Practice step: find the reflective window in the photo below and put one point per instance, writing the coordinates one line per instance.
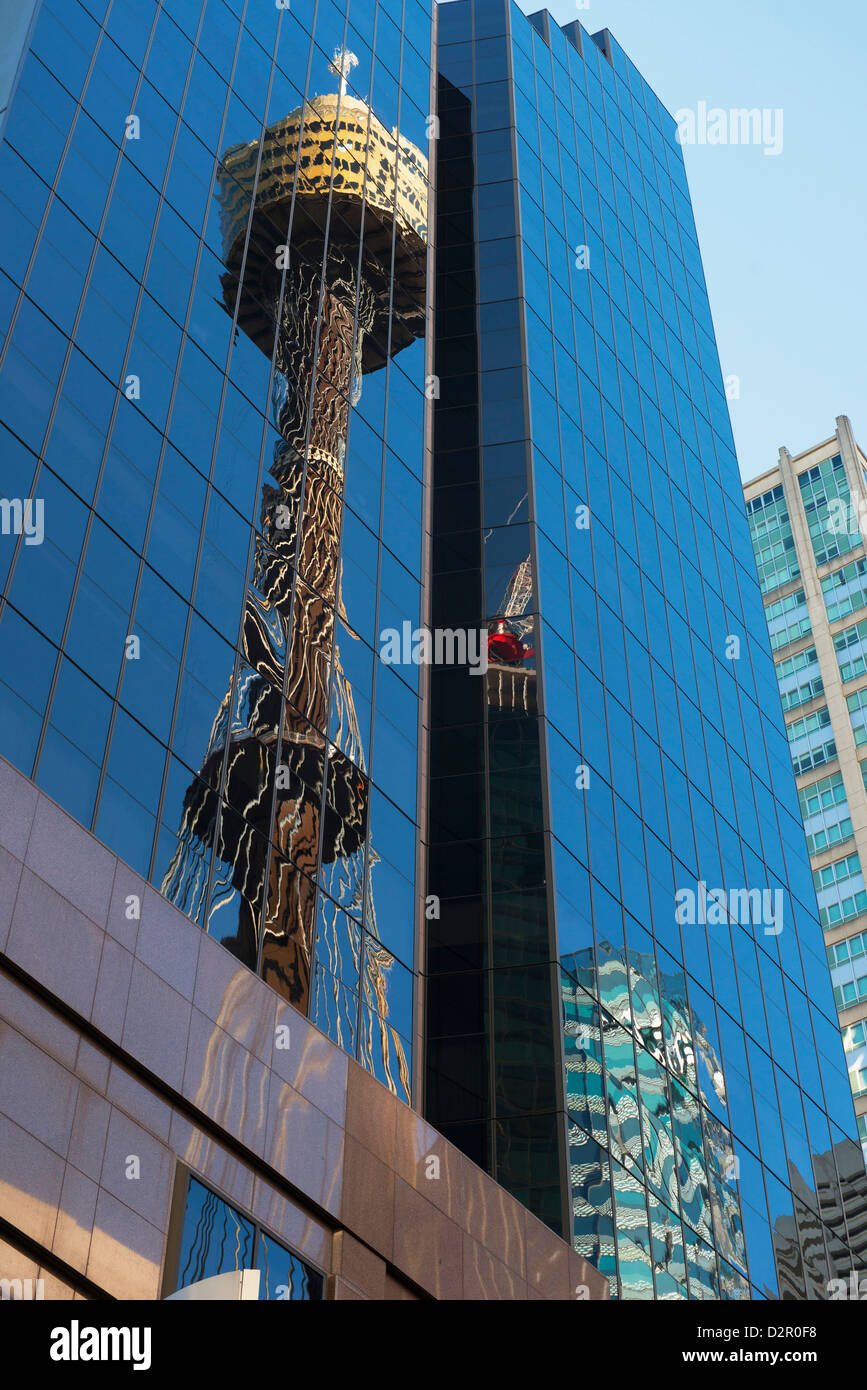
(213, 1237)
(825, 812)
(799, 679)
(825, 497)
(773, 542)
(857, 707)
(851, 648)
(845, 591)
(811, 741)
(840, 891)
(788, 619)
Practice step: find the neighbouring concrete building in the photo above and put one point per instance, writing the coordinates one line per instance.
(808, 518)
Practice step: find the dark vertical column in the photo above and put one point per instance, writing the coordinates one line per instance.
(458, 1092)
(494, 1062)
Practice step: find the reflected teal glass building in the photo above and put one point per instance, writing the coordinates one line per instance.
(658, 1079)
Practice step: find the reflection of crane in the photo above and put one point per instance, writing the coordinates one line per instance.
(507, 639)
(519, 591)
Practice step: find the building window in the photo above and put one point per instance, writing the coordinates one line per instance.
(212, 1237)
(799, 679)
(857, 705)
(855, 1043)
(850, 992)
(811, 741)
(840, 891)
(788, 619)
(821, 486)
(858, 1080)
(851, 648)
(852, 949)
(825, 812)
(776, 558)
(845, 591)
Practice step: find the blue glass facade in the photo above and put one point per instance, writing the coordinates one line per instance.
(214, 243)
(227, 380)
(661, 1082)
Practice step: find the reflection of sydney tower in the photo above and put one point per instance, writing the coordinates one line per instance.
(324, 297)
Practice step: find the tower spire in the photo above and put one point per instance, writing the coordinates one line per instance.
(341, 65)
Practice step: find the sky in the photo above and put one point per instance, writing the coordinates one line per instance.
(783, 237)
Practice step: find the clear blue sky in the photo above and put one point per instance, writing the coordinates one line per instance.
(784, 239)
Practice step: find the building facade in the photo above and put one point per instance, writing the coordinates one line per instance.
(641, 1071)
(215, 318)
(806, 517)
(251, 286)
(320, 323)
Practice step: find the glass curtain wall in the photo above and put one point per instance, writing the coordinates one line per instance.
(701, 1100)
(213, 304)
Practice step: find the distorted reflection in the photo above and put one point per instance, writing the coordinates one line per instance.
(324, 244)
(217, 1239)
(657, 1120)
(818, 1229)
(644, 1089)
(511, 654)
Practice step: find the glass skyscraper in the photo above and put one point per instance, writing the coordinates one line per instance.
(322, 323)
(654, 1079)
